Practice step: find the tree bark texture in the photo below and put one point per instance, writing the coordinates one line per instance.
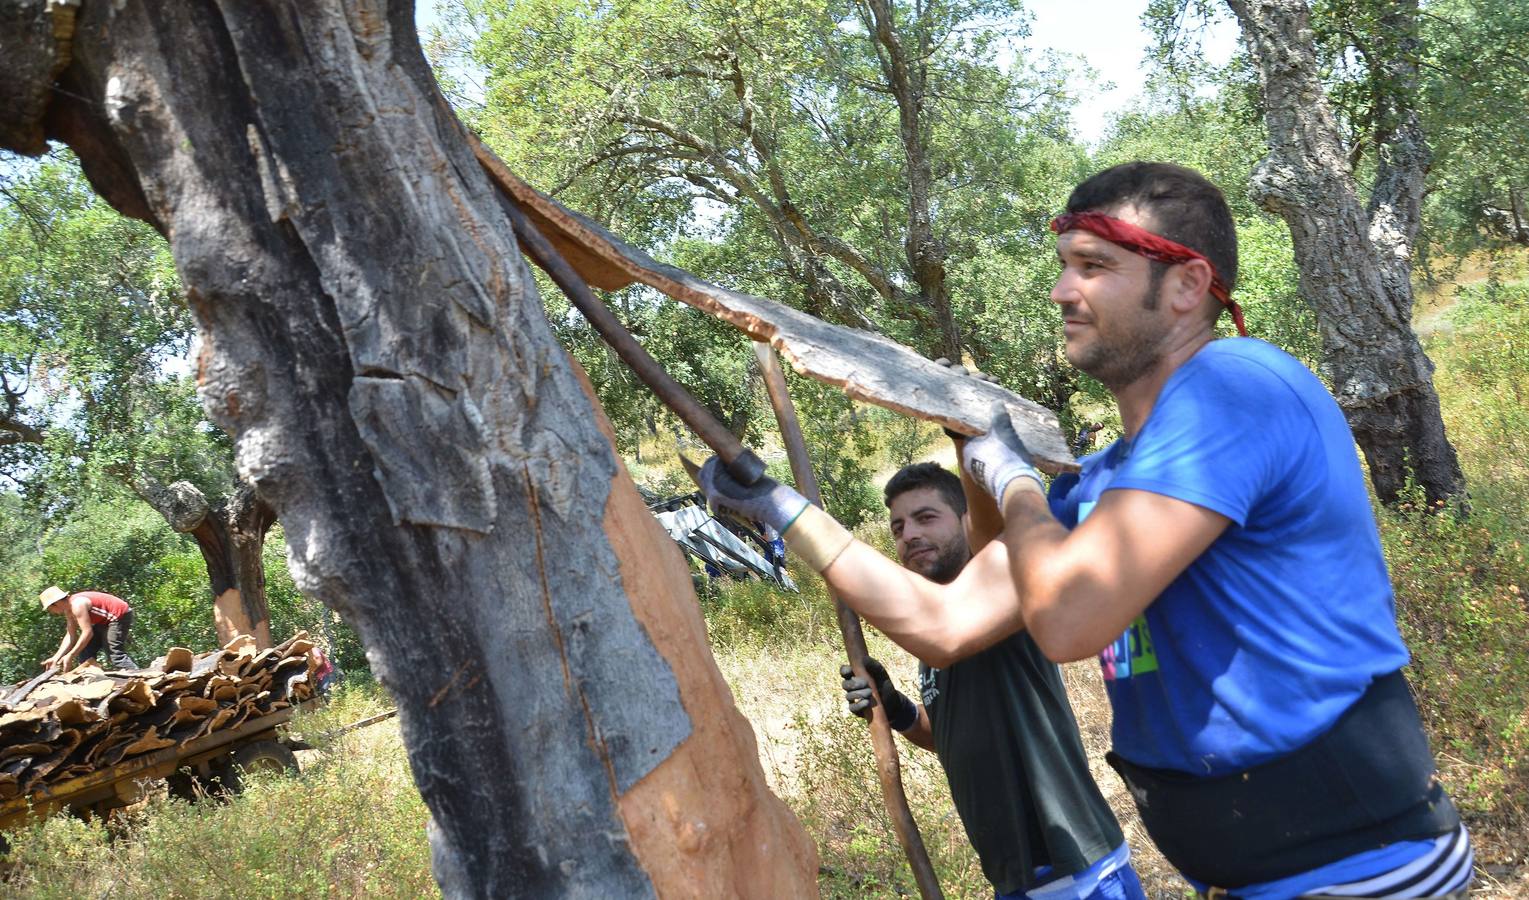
(374, 342)
(1355, 259)
(231, 537)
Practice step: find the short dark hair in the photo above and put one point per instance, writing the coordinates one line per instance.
(1185, 207)
(927, 475)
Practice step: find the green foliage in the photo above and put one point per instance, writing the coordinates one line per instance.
(702, 131)
(1461, 602)
(1463, 585)
(756, 613)
(93, 340)
(1483, 384)
(93, 335)
(839, 801)
(903, 439)
(112, 542)
(840, 443)
(1475, 92)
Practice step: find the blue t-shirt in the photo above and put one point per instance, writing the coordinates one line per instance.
(1273, 632)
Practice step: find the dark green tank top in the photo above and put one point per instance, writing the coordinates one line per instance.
(1005, 733)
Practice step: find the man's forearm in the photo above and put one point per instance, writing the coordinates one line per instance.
(921, 735)
(1081, 589)
(938, 624)
(895, 600)
(79, 645)
(1029, 529)
(1038, 566)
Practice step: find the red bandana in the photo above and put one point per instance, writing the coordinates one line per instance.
(1152, 246)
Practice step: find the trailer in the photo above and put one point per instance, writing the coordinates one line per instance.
(723, 545)
(210, 764)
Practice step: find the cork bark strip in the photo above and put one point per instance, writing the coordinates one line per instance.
(868, 367)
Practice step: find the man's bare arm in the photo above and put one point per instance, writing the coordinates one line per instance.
(1082, 589)
(939, 624)
(63, 645)
(79, 622)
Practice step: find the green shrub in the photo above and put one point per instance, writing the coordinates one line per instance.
(1461, 584)
(1462, 610)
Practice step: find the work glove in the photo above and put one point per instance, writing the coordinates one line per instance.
(766, 500)
(997, 458)
(902, 713)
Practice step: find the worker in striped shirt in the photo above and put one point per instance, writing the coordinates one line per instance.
(93, 619)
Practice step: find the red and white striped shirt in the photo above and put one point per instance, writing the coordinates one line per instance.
(103, 606)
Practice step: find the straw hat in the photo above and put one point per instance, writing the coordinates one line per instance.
(52, 595)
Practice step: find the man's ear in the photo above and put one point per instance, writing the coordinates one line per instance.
(1188, 285)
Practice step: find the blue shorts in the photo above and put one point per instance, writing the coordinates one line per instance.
(1118, 882)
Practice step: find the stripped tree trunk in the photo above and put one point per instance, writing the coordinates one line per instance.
(231, 536)
(374, 342)
(1355, 259)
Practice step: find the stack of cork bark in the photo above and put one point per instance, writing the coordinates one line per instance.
(59, 727)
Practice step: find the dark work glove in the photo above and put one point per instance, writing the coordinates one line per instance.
(902, 713)
(766, 500)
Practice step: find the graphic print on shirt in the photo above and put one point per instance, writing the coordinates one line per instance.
(1132, 653)
(927, 691)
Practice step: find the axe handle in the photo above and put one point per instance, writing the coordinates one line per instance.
(741, 462)
(887, 769)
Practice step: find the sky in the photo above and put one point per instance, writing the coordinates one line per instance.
(1105, 34)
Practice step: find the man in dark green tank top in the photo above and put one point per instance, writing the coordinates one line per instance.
(1003, 729)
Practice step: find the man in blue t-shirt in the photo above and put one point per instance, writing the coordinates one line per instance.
(1221, 559)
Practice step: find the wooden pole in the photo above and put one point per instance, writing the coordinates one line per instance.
(887, 769)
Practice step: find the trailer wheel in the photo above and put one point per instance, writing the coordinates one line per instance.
(188, 787)
(217, 784)
(263, 756)
(182, 786)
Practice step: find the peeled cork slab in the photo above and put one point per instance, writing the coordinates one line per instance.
(868, 367)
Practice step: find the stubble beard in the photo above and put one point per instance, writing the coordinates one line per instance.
(1119, 359)
(947, 565)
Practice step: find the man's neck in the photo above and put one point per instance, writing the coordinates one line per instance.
(1136, 399)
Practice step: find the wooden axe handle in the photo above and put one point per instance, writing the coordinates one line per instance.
(887, 768)
(741, 462)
